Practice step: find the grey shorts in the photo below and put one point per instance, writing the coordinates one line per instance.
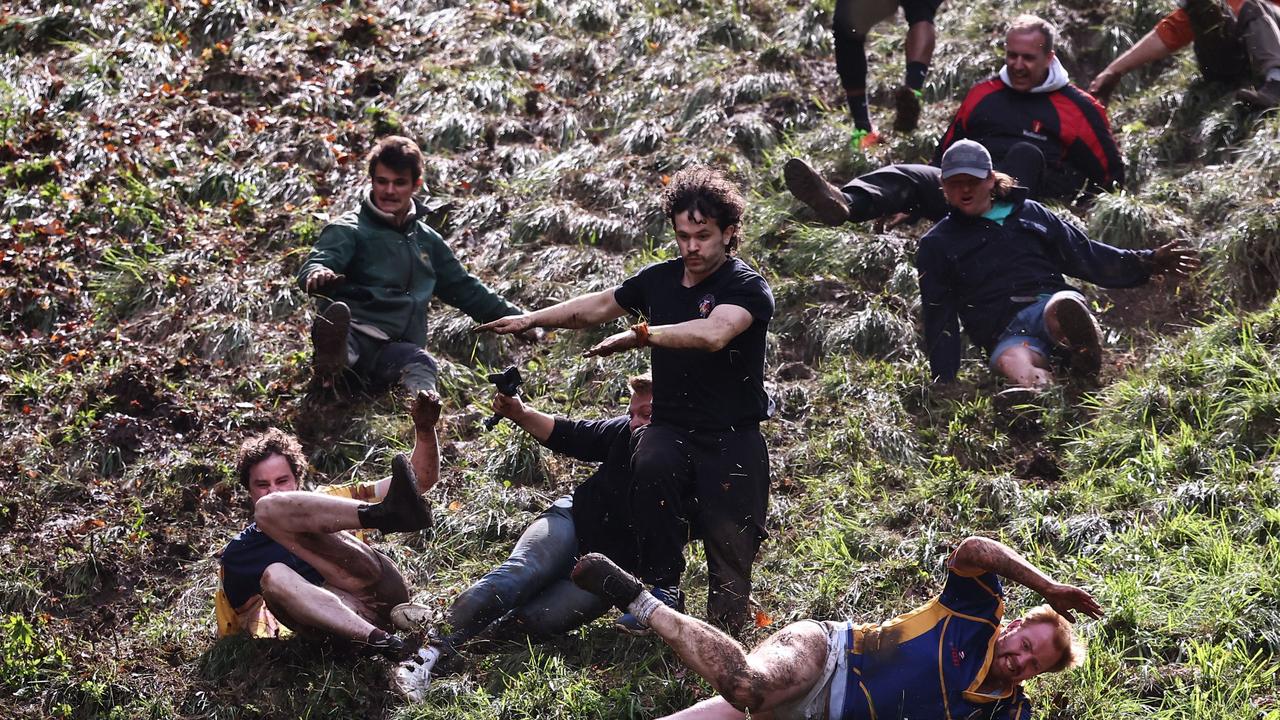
(830, 688)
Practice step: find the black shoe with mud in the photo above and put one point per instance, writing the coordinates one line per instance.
(597, 574)
(403, 509)
(810, 188)
(907, 102)
(1084, 338)
(329, 340)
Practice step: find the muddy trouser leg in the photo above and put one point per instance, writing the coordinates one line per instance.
(1025, 163)
(406, 364)
(662, 482)
(893, 189)
(1259, 26)
(544, 554)
(732, 486)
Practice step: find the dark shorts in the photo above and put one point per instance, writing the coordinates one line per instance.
(920, 10)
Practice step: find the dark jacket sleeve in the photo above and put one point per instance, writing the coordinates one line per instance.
(461, 289)
(587, 440)
(1096, 262)
(334, 250)
(938, 307)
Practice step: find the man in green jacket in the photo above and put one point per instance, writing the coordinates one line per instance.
(376, 269)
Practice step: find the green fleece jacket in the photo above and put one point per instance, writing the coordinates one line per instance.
(391, 274)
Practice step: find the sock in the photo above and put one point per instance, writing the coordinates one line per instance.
(643, 606)
(378, 636)
(858, 109)
(916, 72)
(430, 654)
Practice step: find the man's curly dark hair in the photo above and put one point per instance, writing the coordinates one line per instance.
(272, 442)
(705, 192)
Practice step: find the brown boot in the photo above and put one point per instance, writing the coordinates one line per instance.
(329, 340)
(1083, 337)
(908, 106)
(1265, 97)
(828, 203)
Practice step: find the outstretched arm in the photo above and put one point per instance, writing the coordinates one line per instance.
(979, 555)
(582, 311)
(426, 444)
(535, 422)
(709, 334)
(1147, 50)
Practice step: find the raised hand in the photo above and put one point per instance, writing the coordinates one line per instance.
(425, 411)
(1173, 258)
(1067, 598)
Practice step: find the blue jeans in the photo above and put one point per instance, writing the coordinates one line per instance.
(531, 592)
(1027, 328)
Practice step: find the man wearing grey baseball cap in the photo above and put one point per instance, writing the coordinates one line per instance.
(995, 264)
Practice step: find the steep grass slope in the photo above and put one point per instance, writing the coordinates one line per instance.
(164, 165)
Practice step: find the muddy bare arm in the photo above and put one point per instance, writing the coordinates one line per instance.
(978, 555)
(535, 422)
(709, 334)
(580, 312)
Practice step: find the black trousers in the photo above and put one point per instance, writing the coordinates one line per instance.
(708, 484)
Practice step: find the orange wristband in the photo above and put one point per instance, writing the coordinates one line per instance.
(642, 332)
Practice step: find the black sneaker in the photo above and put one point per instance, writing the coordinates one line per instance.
(908, 105)
(1083, 337)
(672, 597)
(329, 340)
(597, 574)
(403, 509)
(830, 205)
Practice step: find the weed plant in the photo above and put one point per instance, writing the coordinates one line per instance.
(165, 167)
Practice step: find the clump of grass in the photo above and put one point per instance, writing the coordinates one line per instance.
(1125, 220)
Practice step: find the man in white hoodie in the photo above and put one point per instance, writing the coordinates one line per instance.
(1051, 136)
(1032, 105)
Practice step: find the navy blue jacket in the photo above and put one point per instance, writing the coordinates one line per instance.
(982, 273)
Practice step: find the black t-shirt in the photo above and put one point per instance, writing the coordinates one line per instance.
(695, 389)
(602, 503)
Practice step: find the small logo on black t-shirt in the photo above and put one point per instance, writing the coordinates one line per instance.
(706, 305)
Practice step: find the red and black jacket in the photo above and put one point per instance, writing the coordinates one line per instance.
(1067, 125)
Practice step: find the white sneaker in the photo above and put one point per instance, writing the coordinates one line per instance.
(413, 676)
(408, 617)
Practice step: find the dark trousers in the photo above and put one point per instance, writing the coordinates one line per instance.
(531, 592)
(708, 484)
(917, 189)
(383, 363)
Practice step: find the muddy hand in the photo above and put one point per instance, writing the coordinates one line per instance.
(509, 325)
(426, 410)
(625, 340)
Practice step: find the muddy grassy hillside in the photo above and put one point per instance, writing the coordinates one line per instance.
(166, 164)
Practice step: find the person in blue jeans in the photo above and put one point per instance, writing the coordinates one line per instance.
(530, 595)
(995, 264)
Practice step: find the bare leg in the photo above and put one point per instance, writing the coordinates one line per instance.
(1024, 366)
(782, 669)
(309, 525)
(921, 38)
(716, 708)
(297, 602)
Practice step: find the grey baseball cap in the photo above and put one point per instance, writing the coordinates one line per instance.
(968, 158)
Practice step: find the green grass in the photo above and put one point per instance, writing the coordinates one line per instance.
(190, 153)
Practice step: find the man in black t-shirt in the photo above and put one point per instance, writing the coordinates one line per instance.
(702, 465)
